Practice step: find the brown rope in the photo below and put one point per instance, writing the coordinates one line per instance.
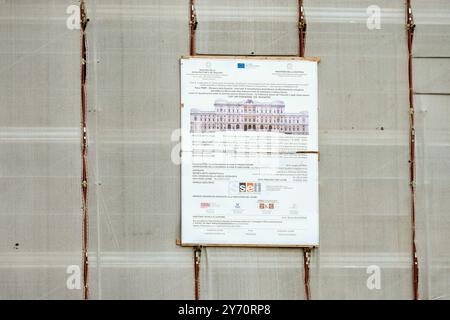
(197, 254)
(84, 175)
(301, 52)
(192, 26)
(301, 29)
(306, 260)
(412, 145)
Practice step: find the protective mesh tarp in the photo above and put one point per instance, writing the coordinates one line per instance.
(432, 83)
(134, 187)
(364, 179)
(134, 50)
(40, 198)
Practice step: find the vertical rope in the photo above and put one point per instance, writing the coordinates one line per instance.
(197, 254)
(192, 26)
(301, 53)
(301, 29)
(306, 260)
(84, 175)
(412, 145)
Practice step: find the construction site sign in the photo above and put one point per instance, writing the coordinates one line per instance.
(249, 151)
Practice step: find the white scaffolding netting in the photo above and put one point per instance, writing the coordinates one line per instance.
(133, 113)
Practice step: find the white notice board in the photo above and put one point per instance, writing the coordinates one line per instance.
(249, 151)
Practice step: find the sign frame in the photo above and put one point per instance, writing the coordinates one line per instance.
(179, 242)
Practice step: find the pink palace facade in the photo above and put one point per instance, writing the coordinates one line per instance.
(249, 115)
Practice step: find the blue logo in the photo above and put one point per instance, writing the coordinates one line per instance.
(241, 65)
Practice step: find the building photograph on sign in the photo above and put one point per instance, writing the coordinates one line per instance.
(269, 117)
(249, 152)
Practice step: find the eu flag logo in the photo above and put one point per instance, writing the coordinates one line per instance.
(241, 65)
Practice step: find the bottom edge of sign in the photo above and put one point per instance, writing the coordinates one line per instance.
(259, 245)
